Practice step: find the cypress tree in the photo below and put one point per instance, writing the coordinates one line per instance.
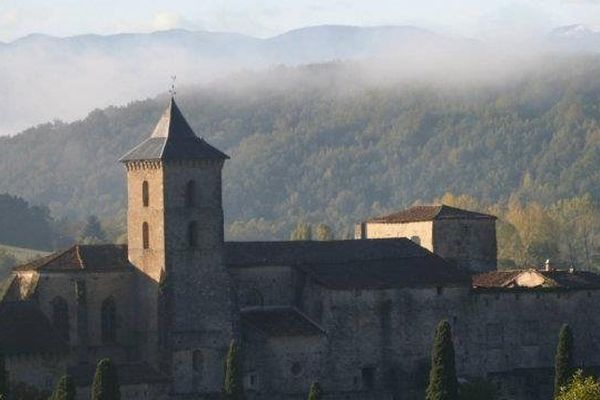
(563, 361)
(316, 393)
(65, 389)
(233, 388)
(106, 382)
(442, 376)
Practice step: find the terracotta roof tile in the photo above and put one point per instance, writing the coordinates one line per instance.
(429, 213)
(85, 258)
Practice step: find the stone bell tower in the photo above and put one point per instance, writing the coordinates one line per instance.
(186, 315)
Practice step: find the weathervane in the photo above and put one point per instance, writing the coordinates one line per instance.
(172, 90)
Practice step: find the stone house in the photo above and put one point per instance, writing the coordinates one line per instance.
(356, 315)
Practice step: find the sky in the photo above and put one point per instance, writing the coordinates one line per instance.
(265, 18)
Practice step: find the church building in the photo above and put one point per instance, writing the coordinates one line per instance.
(358, 315)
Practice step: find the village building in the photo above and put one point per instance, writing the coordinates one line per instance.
(356, 315)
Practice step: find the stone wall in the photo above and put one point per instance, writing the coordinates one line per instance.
(41, 371)
(420, 232)
(470, 243)
(98, 287)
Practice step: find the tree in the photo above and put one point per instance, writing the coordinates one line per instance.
(303, 231)
(65, 389)
(92, 231)
(563, 362)
(580, 388)
(323, 232)
(233, 388)
(106, 382)
(443, 384)
(315, 393)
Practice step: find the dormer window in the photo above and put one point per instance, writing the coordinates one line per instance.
(190, 194)
(145, 194)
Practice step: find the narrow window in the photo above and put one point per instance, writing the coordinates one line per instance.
(109, 321)
(145, 235)
(192, 234)
(190, 194)
(145, 194)
(60, 317)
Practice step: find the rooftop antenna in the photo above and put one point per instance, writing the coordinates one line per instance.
(172, 90)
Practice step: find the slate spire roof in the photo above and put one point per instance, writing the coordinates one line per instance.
(173, 139)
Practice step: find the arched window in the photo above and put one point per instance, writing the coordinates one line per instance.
(60, 316)
(145, 194)
(190, 194)
(145, 235)
(109, 321)
(197, 361)
(192, 234)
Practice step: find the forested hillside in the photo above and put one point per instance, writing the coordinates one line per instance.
(326, 143)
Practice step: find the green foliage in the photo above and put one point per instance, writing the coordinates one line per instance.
(92, 231)
(233, 388)
(24, 225)
(106, 382)
(567, 231)
(323, 232)
(580, 388)
(443, 384)
(65, 389)
(563, 361)
(477, 389)
(303, 231)
(316, 392)
(318, 144)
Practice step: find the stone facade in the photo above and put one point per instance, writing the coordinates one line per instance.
(467, 239)
(358, 316)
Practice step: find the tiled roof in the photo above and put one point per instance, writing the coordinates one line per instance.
(352, 264)
(173, 139)
(556, 279)
(85, 258)
(495, 278)
(24, 329)
(128, 374)
(279, 321)
(429, 213)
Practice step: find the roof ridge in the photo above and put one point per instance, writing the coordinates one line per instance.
(309, 319)
(78, 253)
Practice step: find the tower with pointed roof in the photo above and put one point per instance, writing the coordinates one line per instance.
(175, 237)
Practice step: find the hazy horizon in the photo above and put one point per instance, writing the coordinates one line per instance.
(47, 80)
(268, 18)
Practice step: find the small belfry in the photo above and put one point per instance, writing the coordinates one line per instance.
(175, 236)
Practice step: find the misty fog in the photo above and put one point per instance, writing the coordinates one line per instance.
(44, 78)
